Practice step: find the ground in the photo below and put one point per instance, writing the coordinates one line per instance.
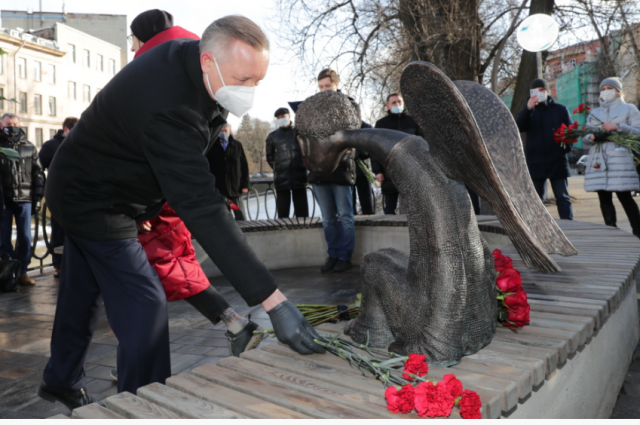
(26, 319)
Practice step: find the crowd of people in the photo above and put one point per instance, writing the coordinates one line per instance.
(129, 189)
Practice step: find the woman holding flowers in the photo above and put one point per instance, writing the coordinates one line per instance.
(610, 167)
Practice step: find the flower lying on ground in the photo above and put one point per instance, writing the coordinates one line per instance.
(513, 306)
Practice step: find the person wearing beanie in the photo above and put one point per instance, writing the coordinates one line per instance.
(546, 159)
(154, 27)
(289, 174)
(610, 168)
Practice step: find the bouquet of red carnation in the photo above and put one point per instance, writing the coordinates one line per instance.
(513, 307)
(581, 109)
(232, 206)
(570, 134)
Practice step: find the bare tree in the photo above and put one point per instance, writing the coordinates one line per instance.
(252, 133)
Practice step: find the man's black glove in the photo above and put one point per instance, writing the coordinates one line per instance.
(292, 328)
(36, 207)
(601, 137)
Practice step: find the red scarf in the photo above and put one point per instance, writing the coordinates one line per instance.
(166, 35)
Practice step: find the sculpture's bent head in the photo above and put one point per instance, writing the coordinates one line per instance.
(319, 120)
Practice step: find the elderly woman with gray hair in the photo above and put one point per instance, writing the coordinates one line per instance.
(610, 167)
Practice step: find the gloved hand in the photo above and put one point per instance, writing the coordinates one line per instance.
(601, 136)
(36, 207)
(292, 328)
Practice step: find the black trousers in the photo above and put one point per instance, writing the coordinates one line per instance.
(209, 303)
(300, 204)
(57, 240)
(629, 205)
(363, 187)
(238, 214)
(390, 203)
(118, 273)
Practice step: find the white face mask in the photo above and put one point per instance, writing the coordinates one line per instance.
(542, 95)
(397, 109)
(608, 95)
(224, 136)
(235, 99)
(282, 122)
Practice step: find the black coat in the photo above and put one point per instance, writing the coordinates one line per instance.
(400, 122)
(49, 148)
(284, 157)
(141, 141)
(229, 167)
(546, 159)
(22, 181)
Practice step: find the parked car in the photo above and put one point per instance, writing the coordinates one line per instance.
(581, 165)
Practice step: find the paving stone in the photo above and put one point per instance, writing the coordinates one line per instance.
(18, 394)
(96, 386)
(99, 372)
(188, 339)
(627, 407)
(98, 350)
(213, 342)
(44, 409)
(180, 362)
(635, 366)
(19, 359)
(109, 359)
(193, 349)
(19, 372)
(219, 352)
(8, 414)
(631, 389)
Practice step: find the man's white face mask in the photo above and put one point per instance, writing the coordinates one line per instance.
(282, 122)
(235, 99)
(608, 95)
(542, 95)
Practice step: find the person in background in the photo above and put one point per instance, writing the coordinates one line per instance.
(335, 197)
(290, 175)
(396, 119)
(23, 188)
(546, 159)
(152, 28)
(47, 151)
(228, 163)
(610, 167)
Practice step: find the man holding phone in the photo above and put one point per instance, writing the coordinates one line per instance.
(546, 159)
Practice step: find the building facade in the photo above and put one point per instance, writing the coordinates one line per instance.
(52, 74)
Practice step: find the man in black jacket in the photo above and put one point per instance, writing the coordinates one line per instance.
(335, 197)
(23, 187)
(396, 119)
(290, 175)
(546, 159)
(47, 151)
(228, 163)
(142, 140)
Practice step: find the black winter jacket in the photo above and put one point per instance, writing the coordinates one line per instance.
(229, 167)
(22, 181)
(141, 140)
(284, 157)
(546, 159)
(400, 122)
(49, 148)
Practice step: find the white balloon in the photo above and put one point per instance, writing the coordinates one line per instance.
(537, 33)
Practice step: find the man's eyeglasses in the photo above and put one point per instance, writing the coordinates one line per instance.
(130, 39)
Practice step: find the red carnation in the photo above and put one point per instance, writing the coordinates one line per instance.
(453, 385)
(470, 405)
(503, 263)
(509, 281)
(433, 400)
(406, 398)
(416, 364)
(393, 399)
(518, 309)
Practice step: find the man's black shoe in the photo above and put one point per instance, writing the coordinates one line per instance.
(244, 340)
(71, 399)
(342, 266)
(329, 265)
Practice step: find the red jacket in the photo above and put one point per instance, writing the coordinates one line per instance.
(168, 245)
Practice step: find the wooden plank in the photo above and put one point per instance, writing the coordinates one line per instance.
(521, 377)
(184, 404)
(579, 328)
(578, 310)
(571, 337)
(548, 356)
(133, 407)
(588, 322)
(94, 411)
(535, 341)
(374, 404)
(486, 386)
(227, 398)
(535, 366)
(277, 394)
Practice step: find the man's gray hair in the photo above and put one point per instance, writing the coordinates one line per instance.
(227, 125)
(218, 36)
(9, 115)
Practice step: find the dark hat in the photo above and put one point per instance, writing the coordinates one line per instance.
(150, 23)
(281, 111)
(539, 83)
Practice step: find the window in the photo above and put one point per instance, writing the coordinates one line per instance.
(39, 137)
(1, 96)
(100, 63)
(22, 68)
(52, 132)
(23, 101)
(37, 71)
(72, 53)
(52, 106)
(72, 90)
(37, 104)
(112, 67)
(51, 74)
(86, 58)
(87, 94)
